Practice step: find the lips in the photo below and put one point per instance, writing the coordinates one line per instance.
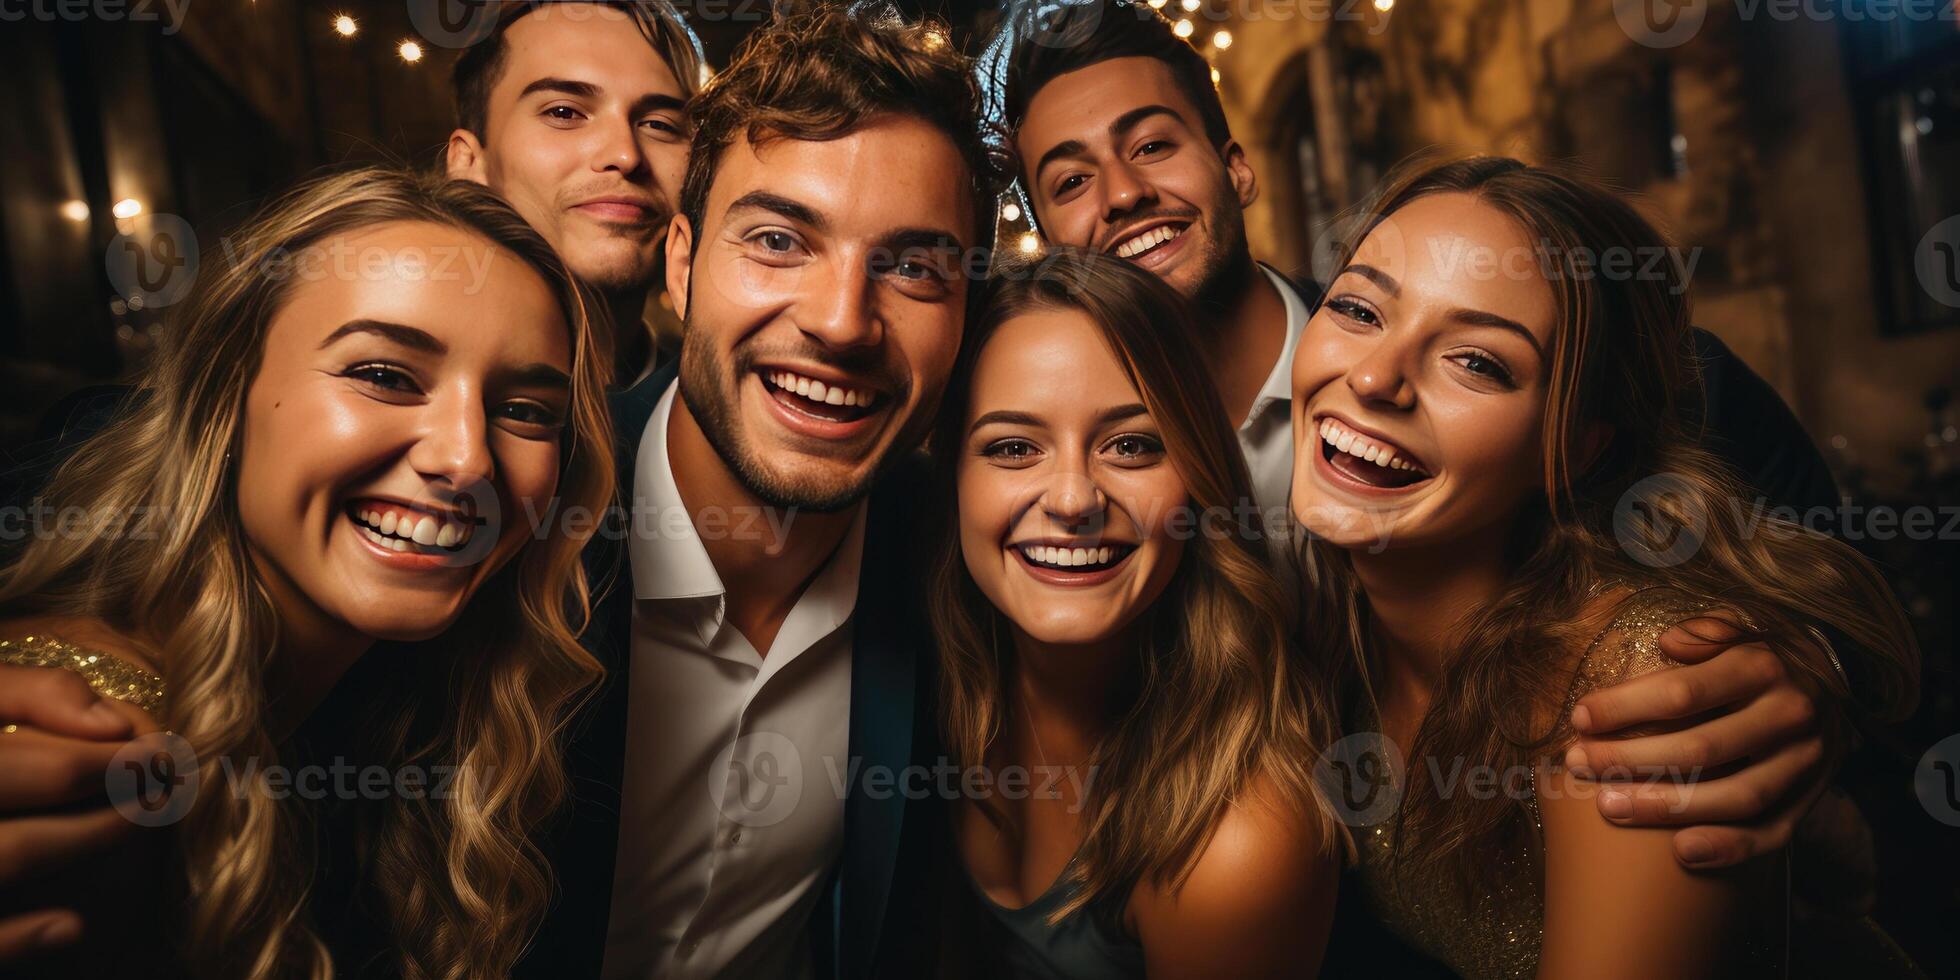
(621, 210)
(1149, 243)
(1072, 565)
(830, 410)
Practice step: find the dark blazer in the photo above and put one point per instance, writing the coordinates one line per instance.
(858, 929)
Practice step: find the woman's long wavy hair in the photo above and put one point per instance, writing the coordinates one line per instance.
(458, 881)
(1621, 362)
(1215, 697)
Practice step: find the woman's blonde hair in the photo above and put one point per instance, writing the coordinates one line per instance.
(1216, 698)
(1621, 363)
(458, 881)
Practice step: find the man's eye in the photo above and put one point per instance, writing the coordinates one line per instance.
(1069, 183)
(1153, 146)
(382, 376)
(661, 126)
(916, 268)
(776, 241)
(563, 113)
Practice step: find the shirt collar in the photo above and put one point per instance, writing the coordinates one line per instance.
(1278, 389)
(666, 554)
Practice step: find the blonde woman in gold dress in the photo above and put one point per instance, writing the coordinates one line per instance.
(1491, 453)
(372, 391)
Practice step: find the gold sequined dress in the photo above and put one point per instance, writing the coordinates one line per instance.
(109, 675)
(1496, 931)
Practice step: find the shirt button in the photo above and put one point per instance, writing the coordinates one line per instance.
(735, 838)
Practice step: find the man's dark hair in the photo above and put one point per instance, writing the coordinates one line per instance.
(1052, 42)
(480, 67)
(825, 72)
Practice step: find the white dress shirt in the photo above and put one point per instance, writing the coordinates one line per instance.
(728, 823)
(1266, 434)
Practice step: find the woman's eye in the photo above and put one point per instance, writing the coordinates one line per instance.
(1488, 367)
(382, 376)
(529, 413)
(1131, 448)
(1352, 310)
(1012, 450)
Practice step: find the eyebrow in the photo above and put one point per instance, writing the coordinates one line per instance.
(538, 375)
(565, 86)
(777, 204)
(925, 238)
(657, 101)
(1106, 416)
(403, 335)
(1378, 277)
(1123, 124)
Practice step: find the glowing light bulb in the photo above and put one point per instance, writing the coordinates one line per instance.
(1183, 28)
(1215, 76)
(75, 210)
(1191, 5)
(1010, 211)
(1030, 243)
(1222, 40)
(127, 208)
(345, 26)
(410, 52)
(1384, 5)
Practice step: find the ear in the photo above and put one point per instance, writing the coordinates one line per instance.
(1238, 169)
(463, 158)
(680, 261)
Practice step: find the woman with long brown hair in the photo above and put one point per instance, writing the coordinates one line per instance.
(377, 389)
(1507, 508)
(1136, 741)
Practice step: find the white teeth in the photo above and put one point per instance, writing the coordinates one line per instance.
(1068, 557)
(401, 532)
(387, 524)
(818, 391)
(1148, 240)
(1354, 444)
(449, 536)
(425, 532)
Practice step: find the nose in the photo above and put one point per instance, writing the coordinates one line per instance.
(1073, 500)
(1381, 378)
(838, 309)
(616, 147)
(1123, 191)
(454, 443)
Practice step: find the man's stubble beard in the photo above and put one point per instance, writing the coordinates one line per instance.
(716, 413)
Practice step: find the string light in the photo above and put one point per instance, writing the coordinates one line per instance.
(1156, 4)
(934, 40)
(1215, 76)
(1183, 28)
(75, 210)
(1384, 5)
(410, 52)
(1030, 243)
(127, 208)
(1222, 40)
(345, 26)
(1190, 5)
(1010, 212)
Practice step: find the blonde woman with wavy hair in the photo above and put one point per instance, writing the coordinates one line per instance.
(356, 434)
(1508, 508)
(1113, 652)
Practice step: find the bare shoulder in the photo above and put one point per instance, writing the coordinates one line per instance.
(84, 631)
(1260, 896)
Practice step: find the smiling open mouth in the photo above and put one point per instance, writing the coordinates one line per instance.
(1150, 240)
(828, 402)
(1369, 460)
(1062, 559)
(405, 529)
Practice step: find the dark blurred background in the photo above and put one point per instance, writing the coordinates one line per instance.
(1810, 151)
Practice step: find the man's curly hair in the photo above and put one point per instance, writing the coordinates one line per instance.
(821, 74)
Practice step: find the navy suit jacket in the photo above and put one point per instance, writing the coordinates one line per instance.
(859, 928)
